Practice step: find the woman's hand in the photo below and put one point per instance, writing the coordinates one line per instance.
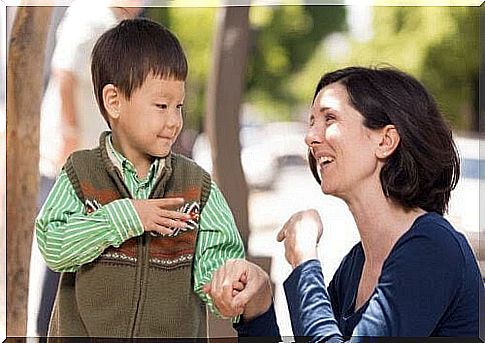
(240, 287)
(301, 234)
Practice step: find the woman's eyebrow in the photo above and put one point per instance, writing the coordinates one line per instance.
(324, 109)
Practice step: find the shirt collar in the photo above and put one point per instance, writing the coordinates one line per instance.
(125, 165)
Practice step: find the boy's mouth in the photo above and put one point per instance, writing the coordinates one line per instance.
(165, 137)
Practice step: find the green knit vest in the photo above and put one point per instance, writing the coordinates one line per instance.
(144, 288)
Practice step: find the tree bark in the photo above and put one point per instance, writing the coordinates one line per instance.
(225, 89)
(24, 91)
(224, 96)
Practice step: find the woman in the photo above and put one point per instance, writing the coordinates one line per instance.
(378, 141)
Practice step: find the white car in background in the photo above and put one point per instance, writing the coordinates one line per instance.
(265, 148)
(288, 140)
(258, 161)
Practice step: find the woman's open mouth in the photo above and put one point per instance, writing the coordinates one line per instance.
(324, 161)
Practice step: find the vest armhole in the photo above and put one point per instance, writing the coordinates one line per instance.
(73, 177)
(206, 188)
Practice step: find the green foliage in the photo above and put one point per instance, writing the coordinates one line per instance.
(451, 69)
(438, 45)
(292, 46)
(284, 39)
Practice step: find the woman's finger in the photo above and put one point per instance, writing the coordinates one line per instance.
(282, 234)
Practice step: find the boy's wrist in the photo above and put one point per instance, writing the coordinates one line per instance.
(123, 219)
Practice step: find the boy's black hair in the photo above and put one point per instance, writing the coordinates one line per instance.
(425, 167)
(126, 54)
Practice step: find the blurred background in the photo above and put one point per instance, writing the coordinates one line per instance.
(288, 49)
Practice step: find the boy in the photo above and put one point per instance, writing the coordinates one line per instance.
(134, 266)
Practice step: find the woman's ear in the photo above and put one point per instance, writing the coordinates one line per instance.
(389, 140)
(112, 100)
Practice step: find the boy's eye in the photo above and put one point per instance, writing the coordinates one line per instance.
(180, 106)
(162, 106)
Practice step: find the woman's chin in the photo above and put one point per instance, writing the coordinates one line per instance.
(326, 189)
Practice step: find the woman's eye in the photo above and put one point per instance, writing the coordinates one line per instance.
(180, 106)
(329, 117)
(311, 121)
(162, 106)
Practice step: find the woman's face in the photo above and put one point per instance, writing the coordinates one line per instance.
(342, 146)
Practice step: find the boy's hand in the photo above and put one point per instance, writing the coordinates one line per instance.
(160, 215)
(240, 287)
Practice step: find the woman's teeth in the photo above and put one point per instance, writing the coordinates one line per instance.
(325, 160)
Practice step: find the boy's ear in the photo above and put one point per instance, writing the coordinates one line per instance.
(112, 100)
(389, 140)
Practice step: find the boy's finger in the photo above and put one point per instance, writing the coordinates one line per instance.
(216, 277)
(226, 295)
(160, 228)
(168, 203)
(241, 299)
(245, 295)
(170, 223)
(237, 286)
(164, 230)
(206, 288)
(244, 278)
(174, 215)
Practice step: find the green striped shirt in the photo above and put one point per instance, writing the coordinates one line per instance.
(69, 238)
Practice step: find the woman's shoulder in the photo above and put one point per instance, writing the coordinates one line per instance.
(433, 226)
(433, 234)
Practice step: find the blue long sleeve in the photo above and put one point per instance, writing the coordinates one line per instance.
(264, 325)
(309, 303)
(429, 286)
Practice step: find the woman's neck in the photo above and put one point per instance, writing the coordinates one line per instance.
(381, 222)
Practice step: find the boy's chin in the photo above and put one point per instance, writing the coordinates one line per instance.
(159, 154)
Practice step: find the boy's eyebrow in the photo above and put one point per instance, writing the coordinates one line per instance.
(160, 94)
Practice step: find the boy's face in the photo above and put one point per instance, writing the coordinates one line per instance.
(150, 122)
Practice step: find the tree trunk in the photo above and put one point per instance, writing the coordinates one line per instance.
(24, 79)
(225, 89)
(226, 85)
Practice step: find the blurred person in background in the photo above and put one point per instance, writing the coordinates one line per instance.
(377, 141)
(70, 120)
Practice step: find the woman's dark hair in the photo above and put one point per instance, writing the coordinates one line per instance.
(126, 54)
(425, 167)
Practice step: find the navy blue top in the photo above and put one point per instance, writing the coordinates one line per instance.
(430, 285)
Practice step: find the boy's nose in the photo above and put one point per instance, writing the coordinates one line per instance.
(174, 119)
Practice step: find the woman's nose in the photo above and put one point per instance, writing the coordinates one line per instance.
(314, 135)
